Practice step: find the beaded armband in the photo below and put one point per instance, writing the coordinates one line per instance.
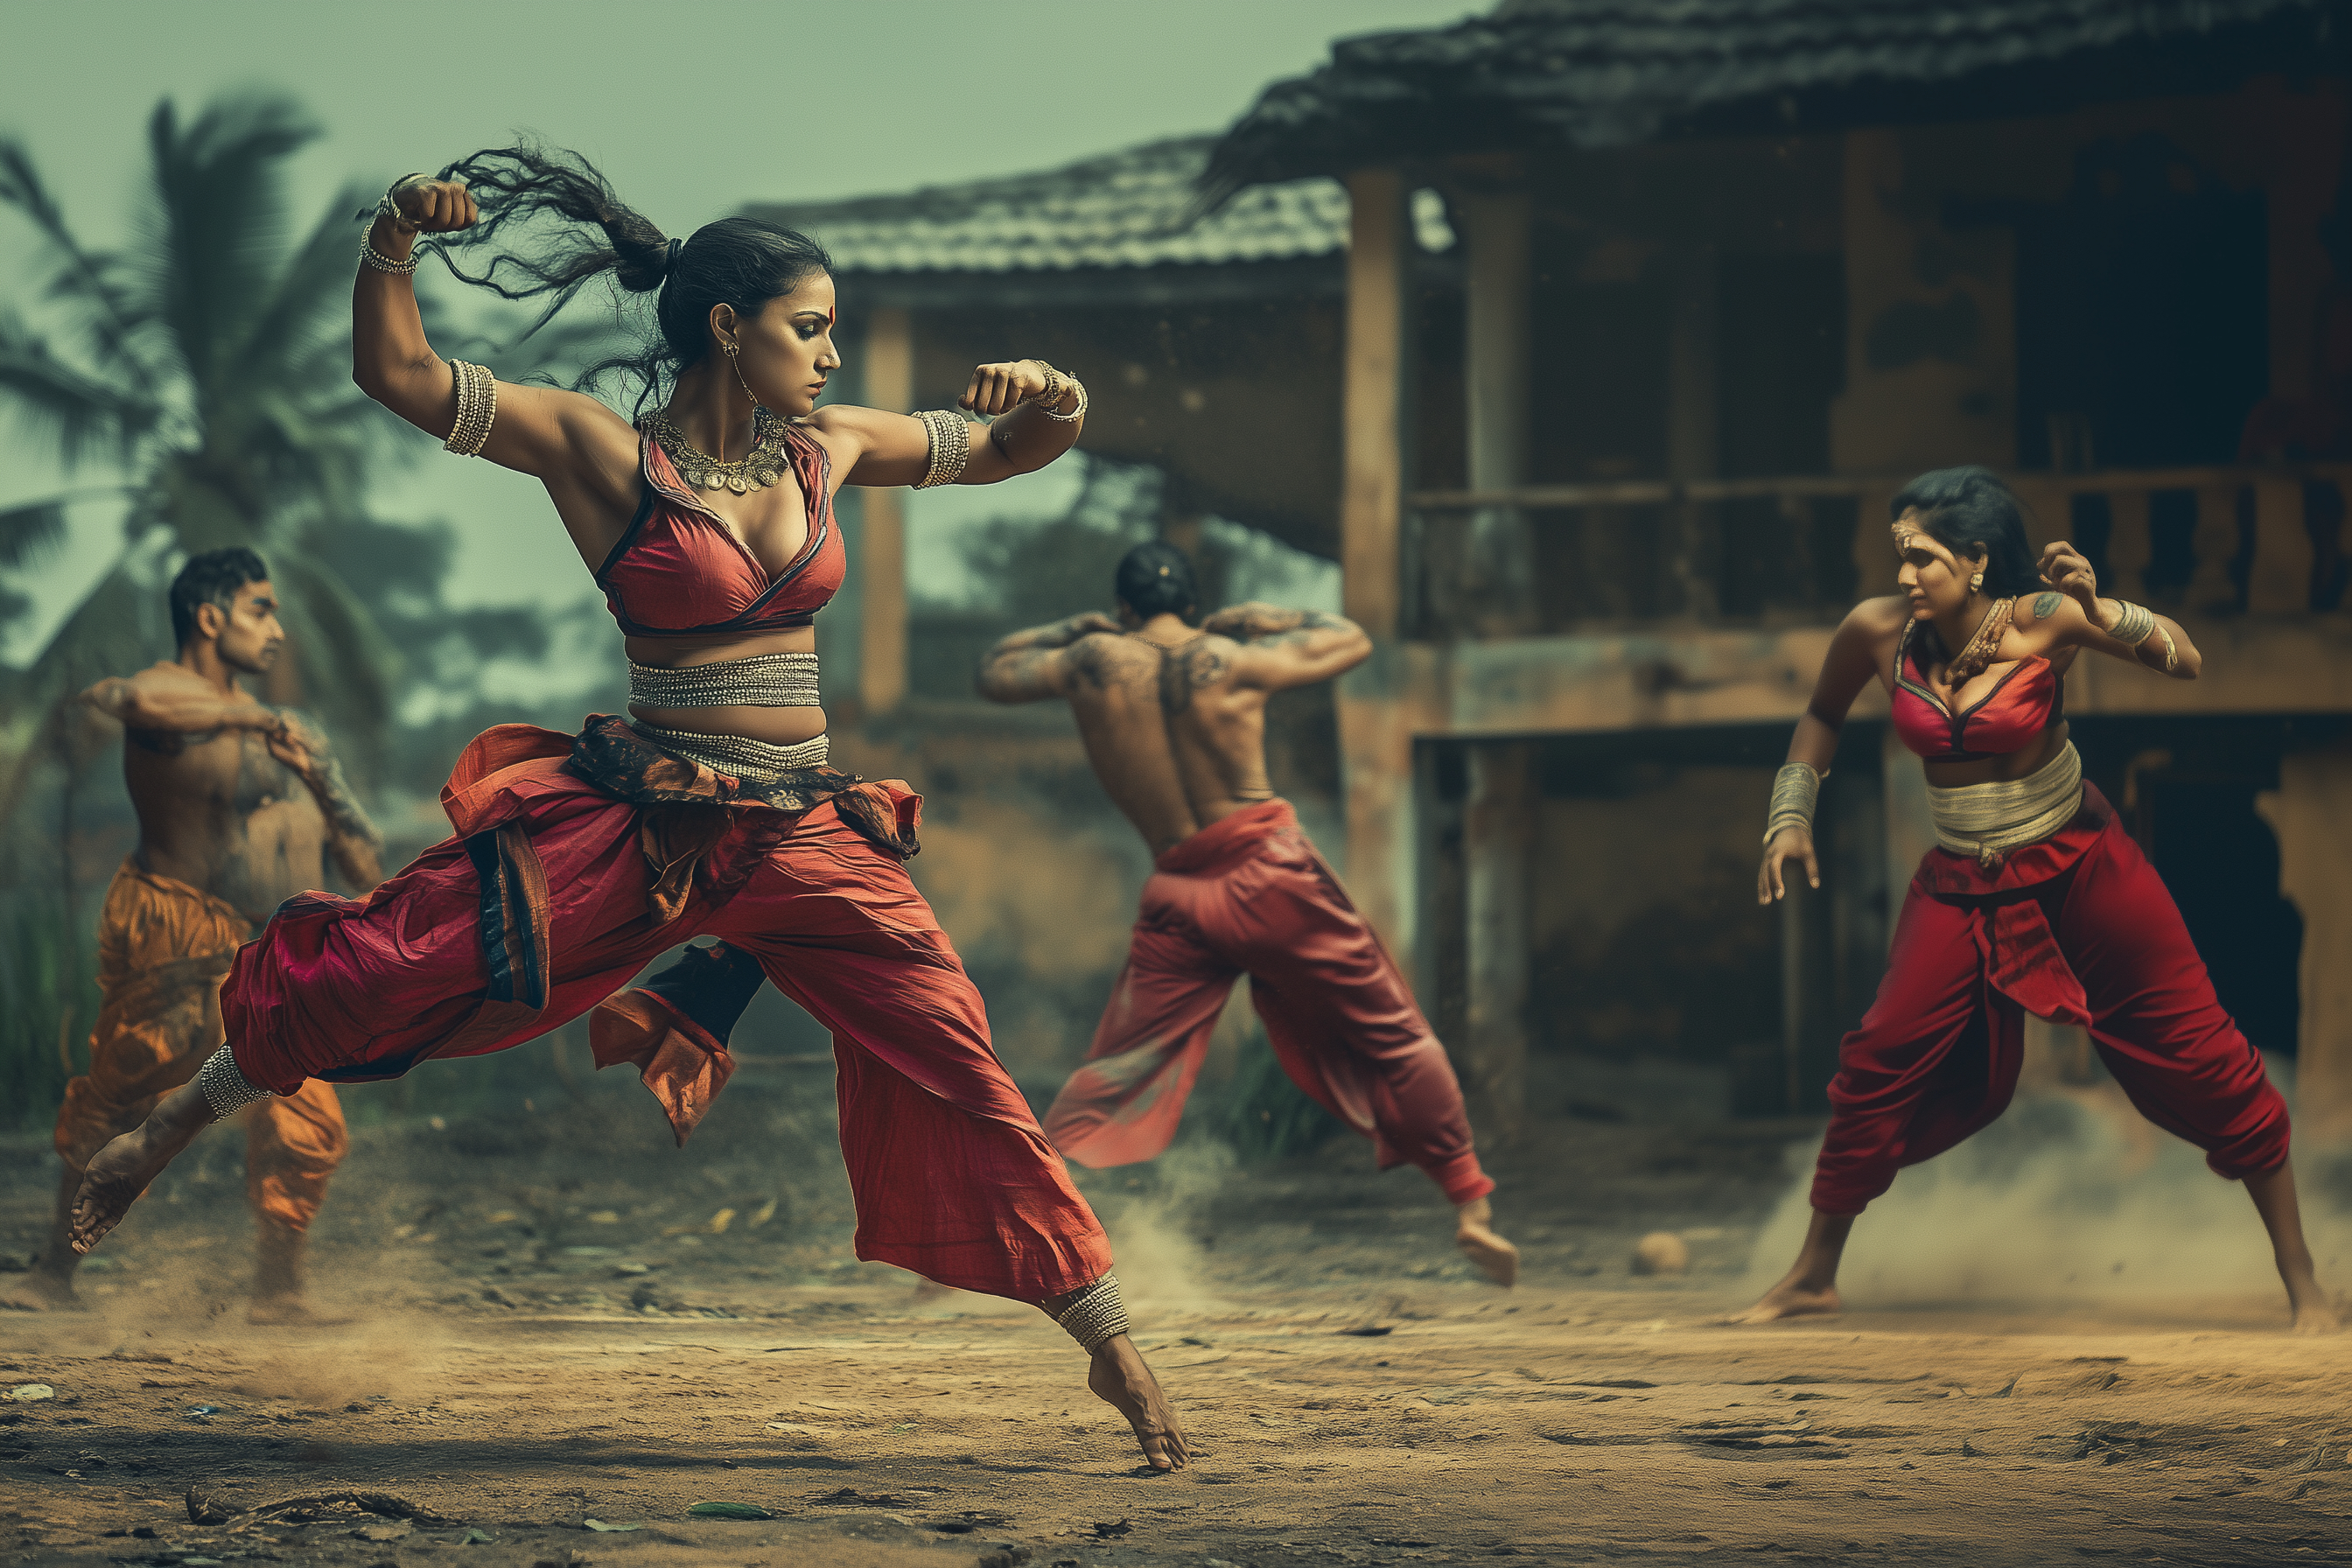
(478, 406)
(225, 1088)
(1796, 789)
(951, 447)
(1095, 1316)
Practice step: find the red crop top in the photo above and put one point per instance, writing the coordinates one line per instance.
(679, 571)
(2007, 719)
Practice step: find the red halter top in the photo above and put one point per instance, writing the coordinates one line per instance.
(679, 571)
(2007, 719)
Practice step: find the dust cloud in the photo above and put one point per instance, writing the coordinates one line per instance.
(2070, 1196)
(1154, 1234)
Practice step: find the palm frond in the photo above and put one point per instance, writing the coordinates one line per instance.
(28, 533)
(87, 277)
(307, 305)
(219, 215)
(51, 396)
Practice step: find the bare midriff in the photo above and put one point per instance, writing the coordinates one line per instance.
(775, 726)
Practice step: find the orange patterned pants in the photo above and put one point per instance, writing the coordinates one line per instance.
(162, 948)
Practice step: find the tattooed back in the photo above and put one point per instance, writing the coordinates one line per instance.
(1176, 739)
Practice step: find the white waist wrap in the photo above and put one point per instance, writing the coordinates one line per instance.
(1988, 819)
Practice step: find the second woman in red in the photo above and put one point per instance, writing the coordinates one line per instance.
(2035, 900)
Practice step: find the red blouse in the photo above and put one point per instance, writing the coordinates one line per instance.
(2007, 719)
(679, 571)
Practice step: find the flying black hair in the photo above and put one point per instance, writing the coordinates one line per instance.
(211, 578)
(1155, 578)
(738, 261)
(1969, 511)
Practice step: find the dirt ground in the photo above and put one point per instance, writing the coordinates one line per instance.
(560, 1320)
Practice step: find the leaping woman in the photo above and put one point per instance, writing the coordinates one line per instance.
(576, 859)
(2034, 901)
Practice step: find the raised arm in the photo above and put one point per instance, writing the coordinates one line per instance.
(887, 449)
(538, 430)
(173, 698)
(1031, 666)
(352, 841)
(2076, 616)
(1283, 649)
(1851, 664)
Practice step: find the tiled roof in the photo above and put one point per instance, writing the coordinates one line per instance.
(1134, 208)
(1598, 73)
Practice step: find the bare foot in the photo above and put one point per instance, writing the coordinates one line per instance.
(1495, 1258)
(40, 1291)
(119, 1172)
(1121, 1380)
(2314, 1313)
(1791, 1299)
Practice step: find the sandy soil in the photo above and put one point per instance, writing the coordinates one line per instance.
(555, 1325)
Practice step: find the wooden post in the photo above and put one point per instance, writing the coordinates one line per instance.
(1375, 732)
(1693, 415)
(2280, 582)
(1498, 843)
(1501, 269)
(2311, 812)
(882, 651)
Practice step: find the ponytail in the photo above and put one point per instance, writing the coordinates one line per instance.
(737, 262)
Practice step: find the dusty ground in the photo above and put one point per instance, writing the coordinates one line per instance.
(555, 1325)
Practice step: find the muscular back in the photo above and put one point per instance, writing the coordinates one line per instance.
(1176, 740)
(1174, 720)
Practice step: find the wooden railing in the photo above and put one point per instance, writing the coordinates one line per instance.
(1550, 559)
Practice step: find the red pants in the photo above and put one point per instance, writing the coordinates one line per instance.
(1248, 895)
(954, 1178)
(2077, 929)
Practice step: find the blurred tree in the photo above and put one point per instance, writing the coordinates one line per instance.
(207, 365)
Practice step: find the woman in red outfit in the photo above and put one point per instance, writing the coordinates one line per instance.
(2035, 900)
(576, 859)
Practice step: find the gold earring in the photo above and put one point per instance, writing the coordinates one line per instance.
(736, 366)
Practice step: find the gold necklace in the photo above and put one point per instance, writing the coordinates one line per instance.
(1973, 660)
(764, 466)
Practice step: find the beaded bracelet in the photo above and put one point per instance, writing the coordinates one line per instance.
(371, 257)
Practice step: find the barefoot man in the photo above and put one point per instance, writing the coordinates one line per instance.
(238, 804)
(1174, 722)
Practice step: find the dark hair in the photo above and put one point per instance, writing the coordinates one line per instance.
(1155, 578)
(737, 262)
(212, 578)
(1968, 511)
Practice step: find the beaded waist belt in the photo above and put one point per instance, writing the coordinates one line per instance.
(739, 755)
(1986, 820)
(765, 681)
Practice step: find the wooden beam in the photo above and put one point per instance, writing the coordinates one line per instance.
(1375, 742)
(882, 650)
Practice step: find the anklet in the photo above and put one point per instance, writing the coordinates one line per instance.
(225, 1088)
(1095, 1316)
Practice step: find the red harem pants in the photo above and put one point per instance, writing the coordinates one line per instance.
(2077, 929)
(952, 1177)
(1249, 895)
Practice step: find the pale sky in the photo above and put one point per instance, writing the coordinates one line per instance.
(691, 107)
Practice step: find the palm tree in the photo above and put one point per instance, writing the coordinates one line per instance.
(208, 365)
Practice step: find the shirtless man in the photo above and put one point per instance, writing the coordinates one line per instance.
(1174, 722)
(239, 804)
